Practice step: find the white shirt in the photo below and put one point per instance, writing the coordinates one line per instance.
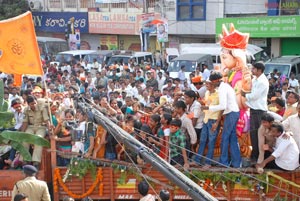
(66, 67)
(258, 97)
(292, 124)
(148, 197)
(161, 82)
(200, 91)
(294, 83)
(181, 75)
(167, 132)
(188, 128)
(197, 113)
(19, 120)
(205, 74)
(227, 99)
(286, 153)
(11, 98)
(166, 86)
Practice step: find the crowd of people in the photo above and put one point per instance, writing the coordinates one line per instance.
(180, 119)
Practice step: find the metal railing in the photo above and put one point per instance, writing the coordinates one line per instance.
(91, 5)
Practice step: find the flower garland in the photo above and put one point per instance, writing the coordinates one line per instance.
(58, 180)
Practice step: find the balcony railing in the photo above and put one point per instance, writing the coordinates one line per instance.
(91, 5)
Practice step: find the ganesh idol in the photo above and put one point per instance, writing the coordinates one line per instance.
(235, 71)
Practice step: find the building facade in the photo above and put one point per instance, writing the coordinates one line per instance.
(117, 24)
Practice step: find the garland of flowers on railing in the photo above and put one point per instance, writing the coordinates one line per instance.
(98, 181)
(212, 179)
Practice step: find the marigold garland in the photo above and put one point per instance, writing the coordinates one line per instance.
(98, 180)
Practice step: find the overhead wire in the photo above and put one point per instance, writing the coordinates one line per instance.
(230, 169)
(236, 170)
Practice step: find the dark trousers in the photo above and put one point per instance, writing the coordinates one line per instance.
(177, 160)
(272, 164)
(255, 120)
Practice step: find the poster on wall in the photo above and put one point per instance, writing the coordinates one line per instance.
(72, 42)
(162, 31)
(108, 42)
(147, 24)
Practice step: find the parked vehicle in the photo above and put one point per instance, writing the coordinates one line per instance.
(51, 46)
(72, 56)
(253, 52)
(286, 65)
(171, 53)
(126, 55)
(102, 56)
(190, 61)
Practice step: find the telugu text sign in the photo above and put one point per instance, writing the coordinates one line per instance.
(57, 21)
(114, 23)
(263, 27)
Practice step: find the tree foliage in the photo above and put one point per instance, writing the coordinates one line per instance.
(12, 8)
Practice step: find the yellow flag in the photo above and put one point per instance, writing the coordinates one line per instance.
(19, 52)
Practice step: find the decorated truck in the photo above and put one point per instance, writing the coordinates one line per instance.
(102, 179)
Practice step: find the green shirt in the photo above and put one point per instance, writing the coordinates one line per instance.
(177, 143)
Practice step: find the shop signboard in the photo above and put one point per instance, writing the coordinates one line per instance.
(283, 7)
(263, 27)
(114, 23)
(122, 23)
(57, 21)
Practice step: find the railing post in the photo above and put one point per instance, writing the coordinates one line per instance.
(62, 5)
(53, 165)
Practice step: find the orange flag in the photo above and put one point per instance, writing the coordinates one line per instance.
(17, 80)
(19, 52)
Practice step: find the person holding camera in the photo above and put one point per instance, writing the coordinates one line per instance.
(83, 138)
(62, 135)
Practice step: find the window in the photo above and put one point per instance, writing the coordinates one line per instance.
(191, 10)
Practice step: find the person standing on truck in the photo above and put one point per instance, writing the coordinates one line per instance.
(35, 189)
(256, 100)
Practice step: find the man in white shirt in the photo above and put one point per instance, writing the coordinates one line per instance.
(294, 83)
(17, 108)
(161, 80)
(205, 71)
(194, 113)
(292, 124)
(187, 127)
(198, 86)
(285, 155)
(67, 67)
(181, 74)
(256, 100)
(13, 95)
(228, 104)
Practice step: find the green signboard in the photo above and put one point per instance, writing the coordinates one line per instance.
(263, 27)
